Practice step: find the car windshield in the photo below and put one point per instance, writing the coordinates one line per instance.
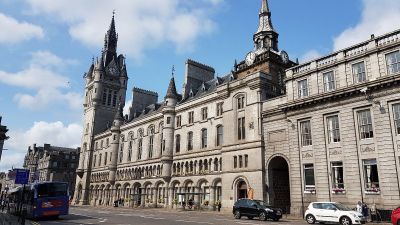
(52, 190)
(342, 207)
(262, 204)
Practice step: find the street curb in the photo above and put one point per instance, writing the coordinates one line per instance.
(224, 212)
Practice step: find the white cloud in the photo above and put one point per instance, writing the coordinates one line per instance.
(42, 77)
(310, 55)
(55, 133)
(378, 17)
(126, 107)
(13, 31)
(141, 24)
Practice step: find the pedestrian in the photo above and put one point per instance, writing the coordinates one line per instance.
(359, 207)
(365, 210)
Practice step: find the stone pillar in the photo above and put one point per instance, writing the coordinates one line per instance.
(170, 197)
(142, 198)
(154, 196)
(197, 196)
(213, 197)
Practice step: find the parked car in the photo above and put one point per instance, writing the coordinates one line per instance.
(396, 216)
(255, 208)
(332, 212)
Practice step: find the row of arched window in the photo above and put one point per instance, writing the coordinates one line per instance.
(197, 167)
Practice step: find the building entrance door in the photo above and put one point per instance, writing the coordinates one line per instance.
(279, 186)
(242, 190)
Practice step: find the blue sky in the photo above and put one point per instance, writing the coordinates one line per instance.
(47, 45)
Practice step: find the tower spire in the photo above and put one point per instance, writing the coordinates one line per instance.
(110, 42)
(265, 18)
(265, 37)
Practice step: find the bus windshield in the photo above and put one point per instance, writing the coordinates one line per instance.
(52, 190)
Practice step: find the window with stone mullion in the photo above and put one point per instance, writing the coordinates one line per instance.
(309, 179)
(337, 175)
(140, 145)
(359, 72)
(393, 62)
(396, 116)
(371, 176)
(151, 146)
(204, 138)
(305, 129)
(333, 129)
(329, 81)
(365, 124)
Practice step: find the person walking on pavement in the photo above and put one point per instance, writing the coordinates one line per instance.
(359, 207)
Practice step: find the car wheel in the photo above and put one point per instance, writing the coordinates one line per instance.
(345, 220)
(310, 219)
(250, 217)
(276, 219)
(237, 215)
(263, 216)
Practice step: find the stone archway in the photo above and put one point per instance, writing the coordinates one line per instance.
(279, 184)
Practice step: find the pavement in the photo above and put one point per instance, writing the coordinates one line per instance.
(88, 215)
(7, 219)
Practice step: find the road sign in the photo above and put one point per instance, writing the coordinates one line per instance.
(22, 176)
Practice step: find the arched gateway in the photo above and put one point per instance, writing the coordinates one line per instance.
(278, 183)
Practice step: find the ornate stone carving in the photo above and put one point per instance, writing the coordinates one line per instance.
(307, 155)
(367, 149)
(335, 152)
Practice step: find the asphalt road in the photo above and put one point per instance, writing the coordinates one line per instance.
(120, 216)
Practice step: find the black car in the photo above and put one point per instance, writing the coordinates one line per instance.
(255, 208)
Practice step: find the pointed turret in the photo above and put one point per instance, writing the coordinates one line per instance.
(110, 43)
(265, 37)
(171, 92)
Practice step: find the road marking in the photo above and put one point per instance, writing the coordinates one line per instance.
(191, 221)
(35, 223)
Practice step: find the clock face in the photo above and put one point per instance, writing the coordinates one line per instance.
(285, 57)
(250, 58)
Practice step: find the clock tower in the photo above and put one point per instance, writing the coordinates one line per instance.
(105, 92)
(266, 57)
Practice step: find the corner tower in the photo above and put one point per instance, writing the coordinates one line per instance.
(105, 91)
(171, 99)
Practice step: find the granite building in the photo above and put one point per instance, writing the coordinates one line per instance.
(52, 163)
(334, 136)
(262, 128)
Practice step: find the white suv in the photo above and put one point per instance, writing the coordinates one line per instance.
(332, 212)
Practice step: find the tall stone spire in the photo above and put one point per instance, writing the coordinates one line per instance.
(265, 37)
(110, 43)
(265, 18)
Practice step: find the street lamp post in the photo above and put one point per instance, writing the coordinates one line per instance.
(3, 137)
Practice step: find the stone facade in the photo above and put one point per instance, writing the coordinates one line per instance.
(3, 137)
(52, 163)
(204, 144)
(225, 136)
(339, 133)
